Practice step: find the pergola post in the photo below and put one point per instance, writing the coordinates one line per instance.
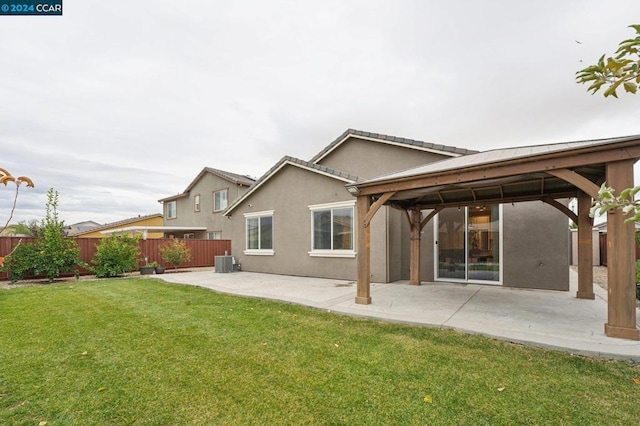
(585, 248)
(414, 271)
(621, 312)
(363, 291)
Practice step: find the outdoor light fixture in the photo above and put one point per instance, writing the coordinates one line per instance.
(353, 190)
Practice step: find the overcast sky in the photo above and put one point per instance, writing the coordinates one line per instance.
(117, 103)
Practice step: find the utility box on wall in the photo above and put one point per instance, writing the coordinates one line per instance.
(223, 264)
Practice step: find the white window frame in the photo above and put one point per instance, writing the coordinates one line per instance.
(226, 199)
(259, 251)
(189, 236)
(196, 203)
(169, 209)
(331, 206)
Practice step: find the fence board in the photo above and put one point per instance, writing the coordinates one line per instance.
(203, 252)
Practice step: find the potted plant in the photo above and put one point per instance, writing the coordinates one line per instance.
(159, 269)
(148, 268)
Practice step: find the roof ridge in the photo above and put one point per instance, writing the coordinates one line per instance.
(117, 223)
(389, 138)
(231, 176)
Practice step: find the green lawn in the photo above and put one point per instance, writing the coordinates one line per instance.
(139, 351)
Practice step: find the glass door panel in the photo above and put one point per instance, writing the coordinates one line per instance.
(484, 243)
(451, 244)
(468, 243)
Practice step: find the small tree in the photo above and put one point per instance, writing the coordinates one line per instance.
(175, 252)
(55, 252)
(115, 256)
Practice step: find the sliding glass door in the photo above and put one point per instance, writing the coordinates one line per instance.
(468, 244)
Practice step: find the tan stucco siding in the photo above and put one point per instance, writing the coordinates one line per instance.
(213, 221)
(289, 193)
(368, 159)
(536, 246)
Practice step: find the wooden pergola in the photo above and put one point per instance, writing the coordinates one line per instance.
(546, 173)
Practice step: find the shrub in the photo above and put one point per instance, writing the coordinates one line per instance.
(115, 256)
(175, 252)
(20, 262)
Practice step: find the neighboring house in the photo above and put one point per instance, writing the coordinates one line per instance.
(299, 219)
(198, 211)
(103, 231)
(77, 228)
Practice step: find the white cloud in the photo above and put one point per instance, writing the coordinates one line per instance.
(118, 104)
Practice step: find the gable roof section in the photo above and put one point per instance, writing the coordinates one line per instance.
(450, 151)
(116, 224)
(229, 176)
(291, 161)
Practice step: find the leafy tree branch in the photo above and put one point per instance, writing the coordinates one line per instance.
(621, 69)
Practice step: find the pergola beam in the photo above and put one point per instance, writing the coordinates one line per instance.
(579, 181)
(376, 206)
(585, 248)
(621, 312)
(564, 209)
(499, 170)
(363, 290)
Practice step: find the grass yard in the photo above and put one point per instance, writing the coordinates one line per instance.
(143, 352)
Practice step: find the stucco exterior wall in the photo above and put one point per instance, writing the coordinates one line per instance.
(289, 193)
(536, 246)
(214, 221)
(368, 159)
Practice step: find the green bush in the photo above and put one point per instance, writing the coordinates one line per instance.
(115, 256)
(20, 262)
(51, 254)
(175, 252)
(55, 252)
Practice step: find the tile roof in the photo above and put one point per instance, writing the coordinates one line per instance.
(231, 177)
(409, 143)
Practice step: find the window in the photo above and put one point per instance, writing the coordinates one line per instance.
(259, 229)
(332, 229)
(171, 210)
(196, 203)
(189, 236)
(215, 235)
(220, 200)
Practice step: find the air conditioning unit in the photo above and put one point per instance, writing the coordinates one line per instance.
(223, 264)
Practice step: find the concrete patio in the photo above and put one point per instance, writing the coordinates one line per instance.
(544, 318)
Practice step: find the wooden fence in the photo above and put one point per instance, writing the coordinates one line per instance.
(203, 252)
